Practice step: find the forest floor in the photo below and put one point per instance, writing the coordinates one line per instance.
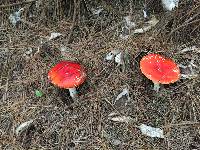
(35, 114)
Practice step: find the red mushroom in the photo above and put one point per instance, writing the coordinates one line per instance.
(159, 69)
(67, 74)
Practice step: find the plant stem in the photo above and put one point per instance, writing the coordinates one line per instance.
(73, 92)
(156, 86)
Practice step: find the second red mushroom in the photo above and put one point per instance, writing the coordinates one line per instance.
(159, 69)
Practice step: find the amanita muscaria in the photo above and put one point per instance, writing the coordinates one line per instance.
(68, 75)
(159, 69)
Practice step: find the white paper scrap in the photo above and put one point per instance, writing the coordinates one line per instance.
(170, 4)
(151, 131)
(119, 59)
(112, 54)
(15, 17)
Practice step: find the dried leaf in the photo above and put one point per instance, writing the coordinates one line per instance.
(192, 48)
(151, 23)
(129, 23)
(97, 11)
(145, 14)
(54, 35)
(125, 119)
(113, 114)
(23, 127)
(125, 92)
(124, 37)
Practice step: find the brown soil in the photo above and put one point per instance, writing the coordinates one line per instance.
(59, 122)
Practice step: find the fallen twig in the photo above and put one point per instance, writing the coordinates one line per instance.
(15, 4)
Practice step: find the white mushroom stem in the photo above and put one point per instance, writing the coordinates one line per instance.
(73, 92)
(156, 86)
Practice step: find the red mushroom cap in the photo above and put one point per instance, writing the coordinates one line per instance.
(67, 74)
(159, 69)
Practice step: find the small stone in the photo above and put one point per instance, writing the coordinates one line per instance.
(116, 142)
